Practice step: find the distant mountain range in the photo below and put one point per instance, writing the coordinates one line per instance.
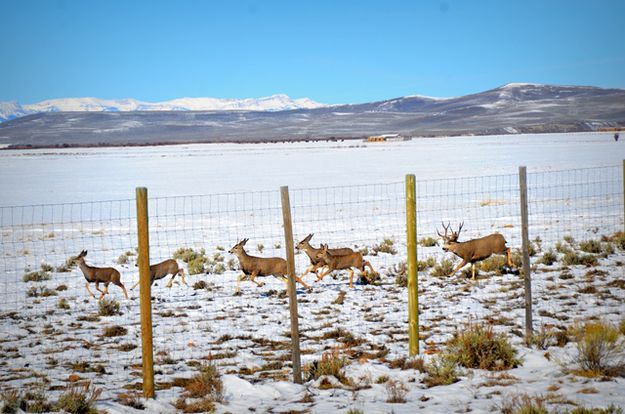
(512, 108)
(12, 110)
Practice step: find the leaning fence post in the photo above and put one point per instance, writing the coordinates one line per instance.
(624, 193)
(525, 250)
(290, 264)
(144, 292)
(411, 238)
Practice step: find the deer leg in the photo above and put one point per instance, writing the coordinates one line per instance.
(509, 257)
(241, 276)
(472, 271)
(367, 264)
(181, 273)
(323, 274)
(464, 262)
(171, 281)
(351, 277)
(89, 290)
(253, 276)
(121, 285)
(299, 279)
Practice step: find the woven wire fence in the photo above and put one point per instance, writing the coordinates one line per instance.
(246, 331)
(51, 327)
(482, 205)
(573, 217)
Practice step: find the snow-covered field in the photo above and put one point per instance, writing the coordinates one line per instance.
(348, 193)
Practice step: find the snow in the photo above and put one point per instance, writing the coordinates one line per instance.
(344, 192)
(279, 102)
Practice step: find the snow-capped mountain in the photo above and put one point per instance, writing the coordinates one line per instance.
(10, 110)
(509, 109)
(280, 102)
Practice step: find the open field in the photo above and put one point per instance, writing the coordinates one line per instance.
(53, 333)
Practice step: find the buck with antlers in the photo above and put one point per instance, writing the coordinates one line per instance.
(475, 250)
(162, 269)
(341, 262)
(99, 275)
(254, 266)
(316, 262)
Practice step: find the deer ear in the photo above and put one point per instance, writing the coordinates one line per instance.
(243, 242)
(309, 237)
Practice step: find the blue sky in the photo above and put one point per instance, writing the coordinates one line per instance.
(329, 51)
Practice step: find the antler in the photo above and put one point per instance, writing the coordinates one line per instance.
(446, 229)
(459, 229)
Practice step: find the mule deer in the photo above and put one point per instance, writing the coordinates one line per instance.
(315, 262)
(253, 266)
(162, 269)
(341, 262)
(475, 250)
(99, 275)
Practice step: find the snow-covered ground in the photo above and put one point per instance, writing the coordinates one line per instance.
(346, 194)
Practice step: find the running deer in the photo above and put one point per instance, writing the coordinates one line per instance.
(253, 266)
(316, 263)
(99, 275)
(162, 269)
(475, 250)
(342, 262)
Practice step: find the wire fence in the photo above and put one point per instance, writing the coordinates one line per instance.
(246, 332)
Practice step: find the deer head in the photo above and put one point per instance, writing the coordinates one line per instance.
(238, 248)
(304, 242)
(450, 240)
(81, 257)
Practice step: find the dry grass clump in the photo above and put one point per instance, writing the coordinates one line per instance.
(330, 364)
(399, 271)
(441, 371)
(35, 292)
(35, 401)
(12, 401)
(546, 337)
(493, 264)
(68, 266)
(115, 330)
(396, 391)
(132, 399)
(610, 409)
(124, 257)
(199, 285)
(205, 388)
(477, 346)
(196, 260)
(548, 258)
(617, 238)
(600, 350)
(108, 307)
(427, 242)
(385, 246)
(590, 246)
(573, 258)
(442, 269)
(63, 304)
(38, 276)
(79, 399)
(523, 404)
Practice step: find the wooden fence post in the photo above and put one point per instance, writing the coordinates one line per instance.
(411, 238)
(525, 250)
(624, 193)
(290, 262)
(145, 282)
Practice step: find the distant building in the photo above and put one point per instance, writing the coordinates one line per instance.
(384, 138)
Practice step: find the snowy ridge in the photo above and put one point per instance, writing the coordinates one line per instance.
(279, 102)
